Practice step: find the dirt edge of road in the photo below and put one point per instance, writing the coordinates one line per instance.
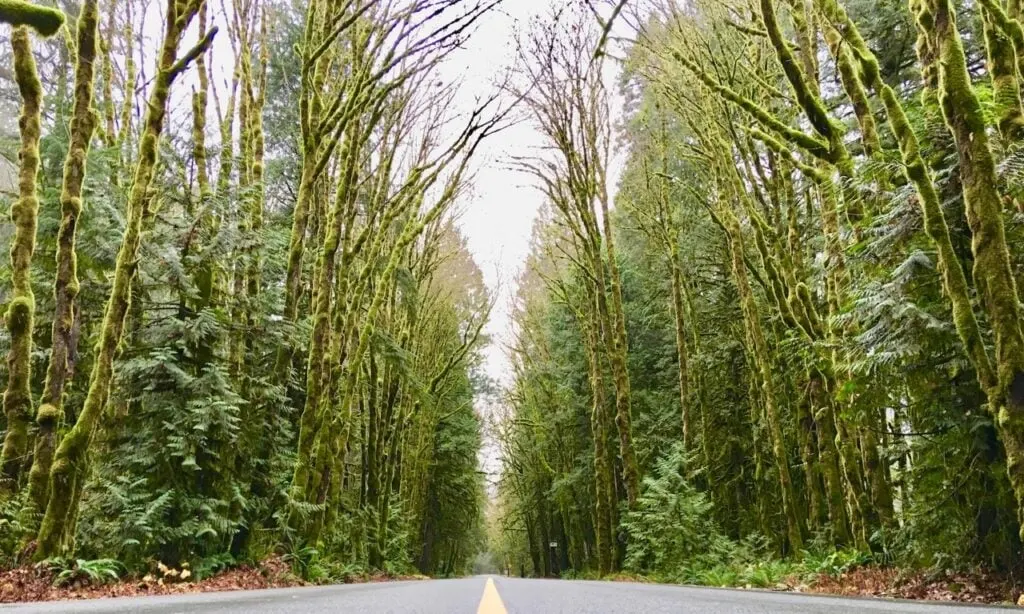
(36, 583)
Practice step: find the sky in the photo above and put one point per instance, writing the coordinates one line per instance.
(497, 218)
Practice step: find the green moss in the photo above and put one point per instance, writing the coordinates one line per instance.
(962, 112)
(70, 458)
(44, 20)
(1002, 67)
(757, 349)
(66, 284)
(21, 312)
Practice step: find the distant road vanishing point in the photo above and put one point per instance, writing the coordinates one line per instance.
(493, 595)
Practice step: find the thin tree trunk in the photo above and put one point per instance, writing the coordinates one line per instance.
(66, 284)
(69, 464)
(22, 308)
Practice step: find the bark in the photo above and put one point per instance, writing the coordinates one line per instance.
(66, 285)
(20, 316)
(70, 461)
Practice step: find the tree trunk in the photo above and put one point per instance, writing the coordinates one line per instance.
(66, 284)
(21, 311)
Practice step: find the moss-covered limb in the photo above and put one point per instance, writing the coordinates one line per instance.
(807, 41)
(811, 104)
(800, 303)
(258, 168)
(109, 133)
(66, 285)
(854, 88)
(1009, 54)
(44, 20)
(70, 459)
(1002, 69)
(816, 112)
(806, 142)
(199, 108)
(20, 316)
(125, 127)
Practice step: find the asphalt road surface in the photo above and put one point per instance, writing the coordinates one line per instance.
(487, 595)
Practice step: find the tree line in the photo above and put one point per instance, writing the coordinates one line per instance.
(240, 316)
(794, 329)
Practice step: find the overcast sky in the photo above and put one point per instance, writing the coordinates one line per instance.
(497, 220)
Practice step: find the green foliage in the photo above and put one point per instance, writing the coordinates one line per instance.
(93, 572)
(878, 397)
(212, 565)
(833, 564)
(185, 455)
(305, 563)
(673, 524)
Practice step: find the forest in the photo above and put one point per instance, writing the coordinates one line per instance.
(769, 325)
(771, 320)
(240, 319)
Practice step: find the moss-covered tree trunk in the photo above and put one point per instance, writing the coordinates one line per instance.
(70, 461)
(763, 374)
(65, 289)
(604, 477)
(620, 360)
(20, 317)
(993, 276)
(1002, 69)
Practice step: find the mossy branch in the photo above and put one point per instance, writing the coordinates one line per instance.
(44, 20)
(814, 146)
(200, 48)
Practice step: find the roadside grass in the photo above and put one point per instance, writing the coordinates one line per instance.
(842, 572)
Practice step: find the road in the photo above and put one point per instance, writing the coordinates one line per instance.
(486, 595)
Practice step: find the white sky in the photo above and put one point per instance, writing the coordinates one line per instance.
(498, 218)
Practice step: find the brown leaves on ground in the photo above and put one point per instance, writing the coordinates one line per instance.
(980, 587)
(36, 583)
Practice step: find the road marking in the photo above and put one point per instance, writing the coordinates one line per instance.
(491, 603)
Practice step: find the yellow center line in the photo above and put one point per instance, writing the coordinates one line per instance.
(491, 603)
